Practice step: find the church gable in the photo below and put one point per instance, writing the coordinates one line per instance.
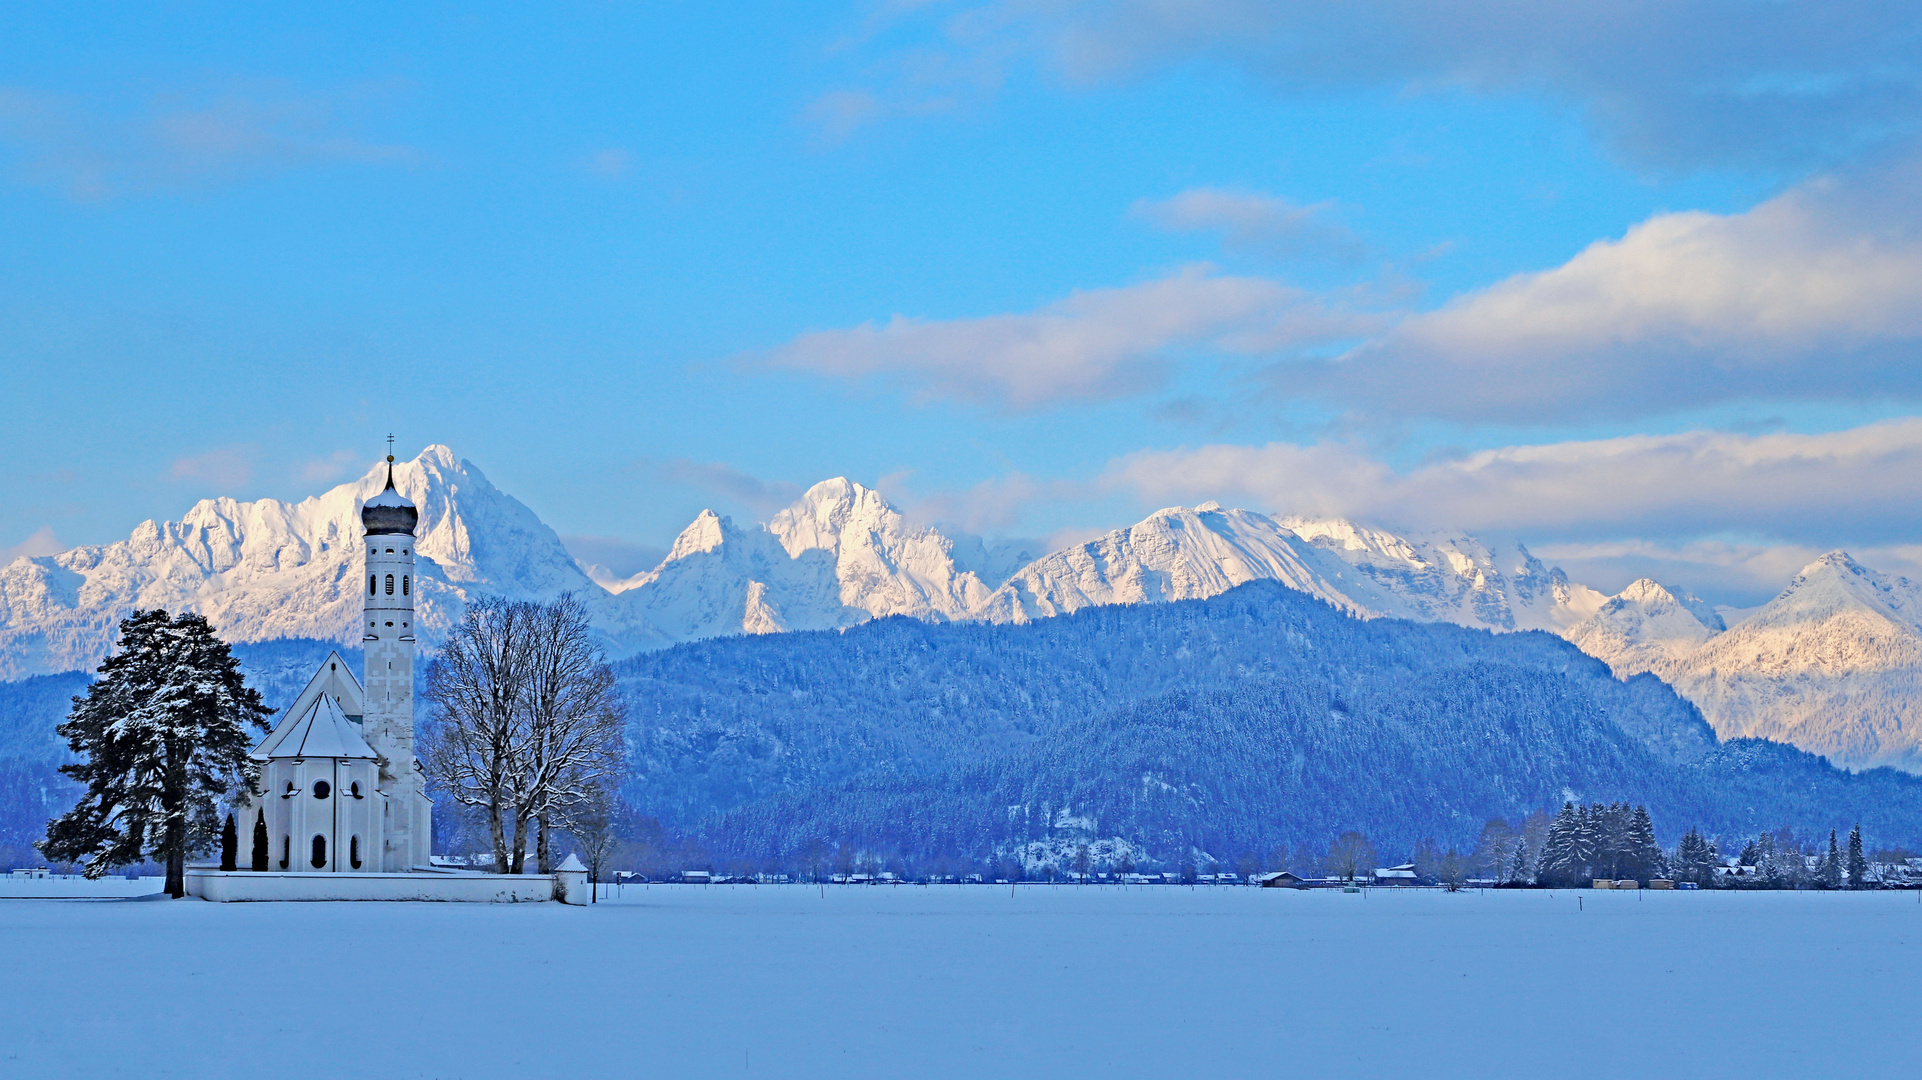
(334, 680)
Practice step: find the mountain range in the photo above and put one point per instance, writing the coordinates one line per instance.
(1830, 666)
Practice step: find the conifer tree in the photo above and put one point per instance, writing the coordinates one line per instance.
(1518, 868)
(1587, 848)
(1858, 866)
(1831, 871)
(1560, 862)
(162, 736)
(229, 845)
(1691, 861)
(1765, 862)
(260, 841)
(1644, 856)
(1611, 849)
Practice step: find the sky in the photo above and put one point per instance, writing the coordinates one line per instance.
(1639, 284)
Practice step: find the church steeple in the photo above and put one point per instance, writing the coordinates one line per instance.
(388, 614)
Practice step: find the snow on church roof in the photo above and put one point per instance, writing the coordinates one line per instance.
(323, 731)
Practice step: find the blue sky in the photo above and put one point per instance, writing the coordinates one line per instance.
(1640, 285)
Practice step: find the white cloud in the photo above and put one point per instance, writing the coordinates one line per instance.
(763, 497)
(1861, 486)
(619, 558)
(1678, 85)
(99, 148)
(1092, 346)
(225, 468)
(41, 542)
(1251, 221)
(1816, 293)
(991, 506)
(325, 470)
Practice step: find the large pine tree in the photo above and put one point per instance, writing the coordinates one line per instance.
(1644, 856)
(1561, 862)
(1858, 864)
(1695, 858)
(1831, 872)
(162, 736)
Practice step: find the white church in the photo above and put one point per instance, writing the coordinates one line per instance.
(343, 801)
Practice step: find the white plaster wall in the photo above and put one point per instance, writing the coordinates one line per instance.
(241, 885)
(292, 823)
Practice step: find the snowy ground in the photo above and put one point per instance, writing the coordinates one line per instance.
(967, 981)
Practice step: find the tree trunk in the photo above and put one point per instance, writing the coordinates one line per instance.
(543, 861)
(176, 858)
(500, 841)
(173, 799)
(519, 856)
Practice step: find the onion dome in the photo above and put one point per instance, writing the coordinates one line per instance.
(388, 514)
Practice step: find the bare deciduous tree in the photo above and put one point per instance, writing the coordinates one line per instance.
(1350, 854)
(473, 747)
(594, 823)
(527, 724)
(575, 722)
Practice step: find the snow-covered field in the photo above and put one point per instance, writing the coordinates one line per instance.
(968, 981)
(64, 887)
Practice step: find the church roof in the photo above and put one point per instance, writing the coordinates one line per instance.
(322, 731)
(335, 679)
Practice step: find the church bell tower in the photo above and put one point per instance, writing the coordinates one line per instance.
(388, 725)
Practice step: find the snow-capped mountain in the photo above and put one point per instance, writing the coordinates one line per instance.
(269, 569)
(838, 556)
(1646, 627)
(1832, 665)
(1184, 554)
(1453, 577)
(1176, 554)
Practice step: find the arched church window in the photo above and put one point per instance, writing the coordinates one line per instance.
(320, 853)
(390, 584)
(286, 851)
(353, 790)
(322, 789)
(370, 584)
(403, 584)
(353, 852)
(291, 791)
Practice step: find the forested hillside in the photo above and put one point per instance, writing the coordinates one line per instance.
(1256, 719)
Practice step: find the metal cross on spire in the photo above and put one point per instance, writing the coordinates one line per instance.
(390, 448)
